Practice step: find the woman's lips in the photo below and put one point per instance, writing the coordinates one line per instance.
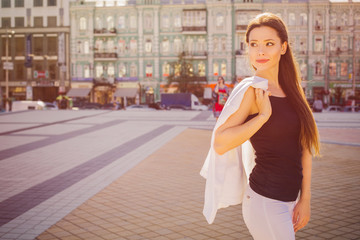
(262, 60)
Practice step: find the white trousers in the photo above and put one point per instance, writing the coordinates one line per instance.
(266, 218)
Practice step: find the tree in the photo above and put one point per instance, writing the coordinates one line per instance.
(182, 73)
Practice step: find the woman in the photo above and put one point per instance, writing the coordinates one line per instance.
(220, 94)
(282, 131)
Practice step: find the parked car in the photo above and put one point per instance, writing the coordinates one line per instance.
(351, 109)
(138, 107)
(111, 106)
(91, 106)
(333, 108)
(50, 106)
(27, 105)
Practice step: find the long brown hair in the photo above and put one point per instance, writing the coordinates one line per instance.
(289, 80)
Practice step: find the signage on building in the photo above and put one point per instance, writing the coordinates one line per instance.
(61, 48)
(29, 93)
(8, 66)
(41, 74)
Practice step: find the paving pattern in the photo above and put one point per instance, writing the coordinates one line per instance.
(135, 175)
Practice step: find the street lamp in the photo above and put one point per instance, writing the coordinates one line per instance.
(9, 33)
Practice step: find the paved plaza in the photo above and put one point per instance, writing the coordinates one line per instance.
(135, 175)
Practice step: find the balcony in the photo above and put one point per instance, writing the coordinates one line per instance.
(195, 55)
(103, 81)
(105, 56)
(105, 32)
(194, 30)
(318, 28)
(241, 28)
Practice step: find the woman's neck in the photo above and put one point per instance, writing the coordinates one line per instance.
(271, 76)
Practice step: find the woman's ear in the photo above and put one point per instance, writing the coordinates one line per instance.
(283, 48)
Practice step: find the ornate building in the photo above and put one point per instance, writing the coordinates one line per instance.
(124, 47)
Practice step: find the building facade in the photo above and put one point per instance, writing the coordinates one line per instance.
(34, 40)
(125, 47)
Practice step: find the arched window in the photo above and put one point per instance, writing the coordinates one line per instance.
(318, 68)
(216, 69)
(201, 69)
(110, 22)
(111, 70)
(216, 44)
(220, 21)
(122, 70)
(303, 19)
(149, 70)
(98, 23)
(133, 70)
(99, 70)
(165, 21)
(83, 23)
(166, 69)
(292, 19)
(86, 47)
(121, 22)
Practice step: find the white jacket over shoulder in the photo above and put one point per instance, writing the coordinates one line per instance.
(227, 175)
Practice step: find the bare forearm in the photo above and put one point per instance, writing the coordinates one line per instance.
(229, 138)
(306, 182)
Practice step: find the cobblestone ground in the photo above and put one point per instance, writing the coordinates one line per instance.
(135, 175)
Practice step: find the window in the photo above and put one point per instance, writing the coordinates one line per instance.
(201, 48)
(86, 71)
(189, 45)
(133, 23)
(51, 21)
(19, 3)
(166, 69)
(82, 23)
(344, 43)
(3, 46)
(52, 68)
(344, 69)
(318, 68)
(110, 46)
(38, 3)
(148, 46)
(177, 70)
(148, 24)
(303, 69)
(111, 70)
(38, 46)
(51, 3)
(303, 45)
(216, 69)
(165, 21)
(333, 19)
(51, 46)
(344, 19)
(121, 22)
(19, 22)
(38, 22)
(241, 19)
(223, 69)
(201, 69)
(98, 23)
(5, 22)
(79, 71)
(177, 45)
(332, 69)
(99, 71)
(303, 19)
(5, 3)
(133, 46)
(86, 47)
(220, 21)
(318, 21)
(292, 19)
(149, 70)
(133, 70)
(19, 70)
(20, 46)
(333, 43)
(121, 44)
(318, 44)
(122, 70)
(223, 44)
(216, 44)
(177, 20)
(165, 45)
(110, 23)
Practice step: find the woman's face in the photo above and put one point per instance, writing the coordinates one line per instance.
(265, 48)
(220, 80)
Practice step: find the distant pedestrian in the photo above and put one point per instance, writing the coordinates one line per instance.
(219, 95)
(262, 144)
(317, 105)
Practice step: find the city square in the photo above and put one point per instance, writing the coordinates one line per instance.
(134, 174)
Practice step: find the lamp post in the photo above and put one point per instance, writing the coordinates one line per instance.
(8, 32)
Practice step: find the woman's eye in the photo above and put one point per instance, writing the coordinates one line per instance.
(269, 44)
(253, 44)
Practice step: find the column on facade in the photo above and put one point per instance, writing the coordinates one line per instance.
(327, 46)
(141, 43)
(91, 41)
(156, 42)
(210, 43)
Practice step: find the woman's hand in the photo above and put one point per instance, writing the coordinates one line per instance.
(263, 102)
(301, 214)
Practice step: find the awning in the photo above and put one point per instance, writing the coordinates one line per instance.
(78, 92)
(126, 92)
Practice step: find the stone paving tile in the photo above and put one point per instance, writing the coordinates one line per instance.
(162, 198)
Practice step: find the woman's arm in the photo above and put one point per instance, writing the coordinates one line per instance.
(301, 215)
(234, 131)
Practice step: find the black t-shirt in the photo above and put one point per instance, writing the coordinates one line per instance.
(278, 170)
